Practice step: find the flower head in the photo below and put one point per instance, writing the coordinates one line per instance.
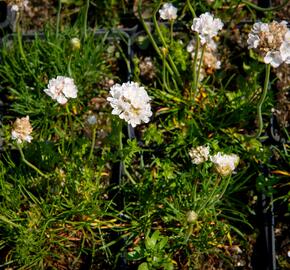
(207, 27)
(168, 12)
(225, 164)
(61, 88)
(131, 102)
(199, 154)
(21, 130)
(271, 41)
(17, 5)
(210, 61)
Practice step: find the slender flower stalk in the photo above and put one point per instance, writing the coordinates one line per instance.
(174, 68)
(198, 69)
(154, 44)
(85, 25)
(260, 103)
(171, 22)
(28, 163)
(191, 8)
(121, 152)
(58, 17)
(195, 82)
(93, 142)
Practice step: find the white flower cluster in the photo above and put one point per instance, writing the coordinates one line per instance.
(131, 102)
(22, 130)
(199, 154)
(61, 88)
(272, 41)
(224, 164)
(168, 12)
(207, 27)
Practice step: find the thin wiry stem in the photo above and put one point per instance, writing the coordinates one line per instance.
(58, 17)
(93, 142)
(260, 103)
(28, 163)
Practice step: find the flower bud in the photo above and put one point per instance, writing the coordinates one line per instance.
(75, 44)
(191, 217)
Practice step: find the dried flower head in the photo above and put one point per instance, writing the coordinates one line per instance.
(207, 27)
(61, 88)
(225, 164)
(168, 12)
(271, 41)
(131, 102)
(147, 69)
(199, 154)
(210, 61)
(22, 130)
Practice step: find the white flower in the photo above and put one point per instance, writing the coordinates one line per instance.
(285, 48)
(199, 154)
(15, 8)
(207, 27)
(225, 164)
(168, 12)
(271, 41)
(61, 88)
(273, 58)
(21, 130)
(131, 102)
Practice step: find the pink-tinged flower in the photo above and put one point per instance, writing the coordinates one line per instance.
(22, 130)
(61, 88)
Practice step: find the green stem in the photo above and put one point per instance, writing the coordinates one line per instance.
(154, 44)
(198, 70)
(19, 37)
(171, 31)
(86, 18)
(69, 66)
(209, 196)
(93, 142)
(58, 17)
(191, 9)
(174, 68)
(194, 86)
(260, 103)
(164, 75)
(265, 9)
(189, 233)
(121, 152)
(28, 163)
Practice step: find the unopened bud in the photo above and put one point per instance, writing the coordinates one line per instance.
(75, 44)
(164, 51)
(191, 217)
